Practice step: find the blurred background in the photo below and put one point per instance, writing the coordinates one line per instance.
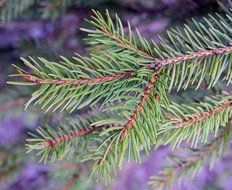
(49, 28)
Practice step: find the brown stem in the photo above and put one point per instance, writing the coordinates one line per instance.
(52, 142)
(200, 117)
(194, 55)
(78, 81)
(166, 178)
(153, 65)
(68, 165)
(139, 107)
(168, 61)
(127, 45)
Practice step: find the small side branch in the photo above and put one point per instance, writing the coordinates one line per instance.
(143, 100)
(169, 173)
(151, 66)
(124, 43)
(200, 117)
(206, 149)
(194, 55)
(53, 142)
(76, 82)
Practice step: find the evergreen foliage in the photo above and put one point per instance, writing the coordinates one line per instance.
(195, 122)
(12, 9)
(187, 168)
(128, 84)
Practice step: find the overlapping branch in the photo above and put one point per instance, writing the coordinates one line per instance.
(195, 123)
(188, 166)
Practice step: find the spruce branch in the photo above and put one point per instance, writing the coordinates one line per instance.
(76, 82)
(192, 56)
(194, 123)
(108, 33)
(183, 167)
(86, 82)
(207, 116)
(138, 134)
(63, 141)
(130, 79)
(204, 48)
(184, 59)
(198, 118)
(53, 142)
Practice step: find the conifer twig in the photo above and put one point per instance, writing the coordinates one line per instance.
(143, 100)
(199, 117)
(52, 142)
(208, 148)
(152, 65)
(169, 173)
(76, 82)
(124, 43)
(194, 55)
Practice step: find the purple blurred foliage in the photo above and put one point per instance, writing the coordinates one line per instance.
(32, 176)
(12, 32)
(11, 130)
(65, 28)
(135, 176)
